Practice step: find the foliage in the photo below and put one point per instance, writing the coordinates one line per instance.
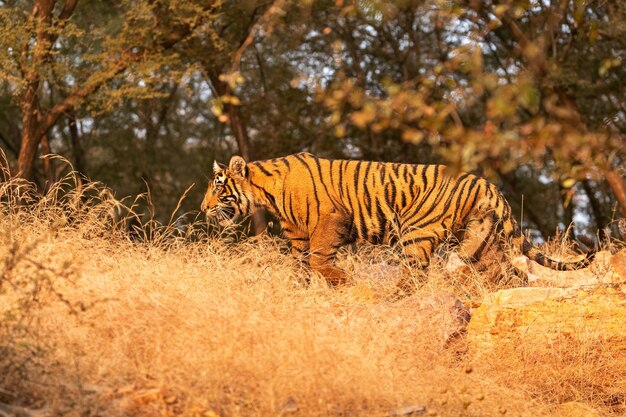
(528, 93)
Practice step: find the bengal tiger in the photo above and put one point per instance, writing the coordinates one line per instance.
(323, 204)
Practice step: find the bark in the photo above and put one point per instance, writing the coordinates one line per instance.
(616, 182)
(235, 119)
(78, 153)
(596, 207)
(33, 132)
(237, 124)
(568, 211)
(29, 105)
(45, 37)
(30, 141)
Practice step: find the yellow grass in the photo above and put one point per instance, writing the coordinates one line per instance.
(99, 321)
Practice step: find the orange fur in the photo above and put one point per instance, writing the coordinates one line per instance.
(323, 204)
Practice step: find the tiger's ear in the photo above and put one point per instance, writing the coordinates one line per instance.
(237, 166)
(217, 167)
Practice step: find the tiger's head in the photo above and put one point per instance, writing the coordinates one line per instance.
(227, 196)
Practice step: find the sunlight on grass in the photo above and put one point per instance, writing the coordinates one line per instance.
(100, 319)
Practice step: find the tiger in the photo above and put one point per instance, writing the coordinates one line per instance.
(324, 204)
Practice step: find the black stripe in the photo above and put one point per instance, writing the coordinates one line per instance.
(306, 204)
(458, 206)
(283, 201)
(438, 198)
(319, 169)
(429, 239)
(366, 191)
(269, 197)
(263, 170)
(380, 234)
(340, 185)
(332, 184)
(479, 252)
(324, 255)
(426, 197)
(361, 227)
(424, 177)
(411, 181)
(291, 213)
(317, 200)
(392, 199)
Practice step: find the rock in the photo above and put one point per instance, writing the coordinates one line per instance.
(517, 317)
(454, 265)
(289, 406)
(576, 409)
(408, 411)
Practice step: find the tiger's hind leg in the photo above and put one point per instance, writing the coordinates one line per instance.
(481, 245)
(478, 237)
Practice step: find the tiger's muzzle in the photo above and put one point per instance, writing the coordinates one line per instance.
(225, 215)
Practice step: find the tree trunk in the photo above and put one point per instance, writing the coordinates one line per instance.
(238, 127)
(78, 154)
(235, 121)
(30, 140)
(616, 182)
(597, 211)
(45, 37)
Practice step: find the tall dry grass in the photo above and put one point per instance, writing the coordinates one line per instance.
(98, 319)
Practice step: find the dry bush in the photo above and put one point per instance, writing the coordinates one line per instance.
(155, 321)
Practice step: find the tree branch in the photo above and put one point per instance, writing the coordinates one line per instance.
(71, 101)
(9, 144)
(265, 22)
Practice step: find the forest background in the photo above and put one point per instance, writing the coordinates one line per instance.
(143, 95)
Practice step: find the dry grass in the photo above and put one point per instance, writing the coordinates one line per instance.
(95, 322)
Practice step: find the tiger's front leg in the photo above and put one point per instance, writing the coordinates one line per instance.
(328, 236)
(418, 245)
(300, 242)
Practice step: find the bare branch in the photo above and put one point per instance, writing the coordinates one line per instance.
(265, 22)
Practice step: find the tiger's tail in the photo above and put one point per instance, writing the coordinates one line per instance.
(512, 229)
(542, 259)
